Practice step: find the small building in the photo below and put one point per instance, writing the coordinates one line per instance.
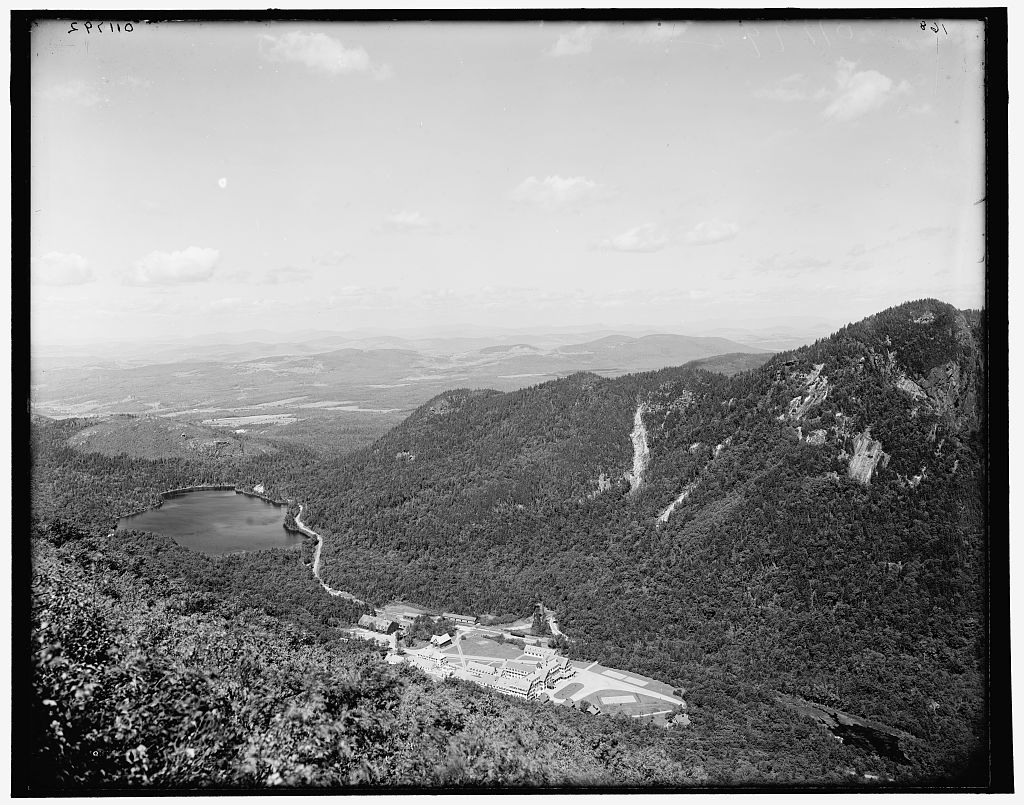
(259, 489)
(435, 656)
(376, 624)
(539, 651)
(441, 640)
(462, 620)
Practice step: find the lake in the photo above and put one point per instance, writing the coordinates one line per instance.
(217, 522)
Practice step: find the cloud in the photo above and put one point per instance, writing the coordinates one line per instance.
(643, 238)
(332, 258)
(554, 191)
(321, 53)
(408, 221)
(578, 40)
(714, 231)
(162, 268)
(855, 93)
(790, 265)
(57, 268)
(858, 93)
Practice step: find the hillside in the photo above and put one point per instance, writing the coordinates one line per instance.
(801, 546)
(814, 527)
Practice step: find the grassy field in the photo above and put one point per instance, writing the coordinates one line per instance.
(567, 690)
(473, 643)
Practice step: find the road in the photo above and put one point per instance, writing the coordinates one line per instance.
(316, 561)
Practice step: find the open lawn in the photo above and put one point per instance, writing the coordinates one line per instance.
(475, 645)
(395, 609)
(567, 690)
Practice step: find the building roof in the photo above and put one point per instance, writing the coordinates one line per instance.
(522, 667)
(482, 667)
(456, 616)
(541, 650)
(441, 639)
(375, 622)
(520, 685)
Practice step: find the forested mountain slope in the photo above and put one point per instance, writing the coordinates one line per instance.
(827, 537)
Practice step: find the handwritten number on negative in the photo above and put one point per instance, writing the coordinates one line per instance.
(88, 26)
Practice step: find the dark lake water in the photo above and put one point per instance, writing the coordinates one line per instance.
(217, 522)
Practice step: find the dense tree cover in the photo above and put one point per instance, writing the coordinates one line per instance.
(136, 687)
(778, 573)
(94, 489)
(425, 627)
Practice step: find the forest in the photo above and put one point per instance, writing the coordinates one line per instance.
(778, 574)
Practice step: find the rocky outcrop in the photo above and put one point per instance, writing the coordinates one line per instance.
(816, 386)
(816, 437)
(913, 481)
(663, 517)
(867, 455)
(641, 451)
(604, 483)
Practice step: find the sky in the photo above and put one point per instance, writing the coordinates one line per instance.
(201, 178)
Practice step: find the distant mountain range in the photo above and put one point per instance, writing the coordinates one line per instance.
(383, 375)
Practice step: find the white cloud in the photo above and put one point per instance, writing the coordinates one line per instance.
(713, 231)
(643, 238)
(554, 191)
(858, 93)
(193, 264)
(57, 268)
(409, 220)
(578, 40)
(854, 94)
(321, 53)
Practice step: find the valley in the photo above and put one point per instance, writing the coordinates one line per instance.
(737, 537)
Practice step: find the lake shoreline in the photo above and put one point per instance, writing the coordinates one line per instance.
(167, 494)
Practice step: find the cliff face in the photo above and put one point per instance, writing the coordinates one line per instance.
(867, 454)
(641, 450)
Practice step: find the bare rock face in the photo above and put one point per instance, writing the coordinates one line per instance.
(867, 455)
(908, 386)
(816, 437)
(641, 450)
(817, 390)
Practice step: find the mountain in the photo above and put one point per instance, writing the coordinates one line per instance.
(809, 530)
(341, 382)
(799, 545)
